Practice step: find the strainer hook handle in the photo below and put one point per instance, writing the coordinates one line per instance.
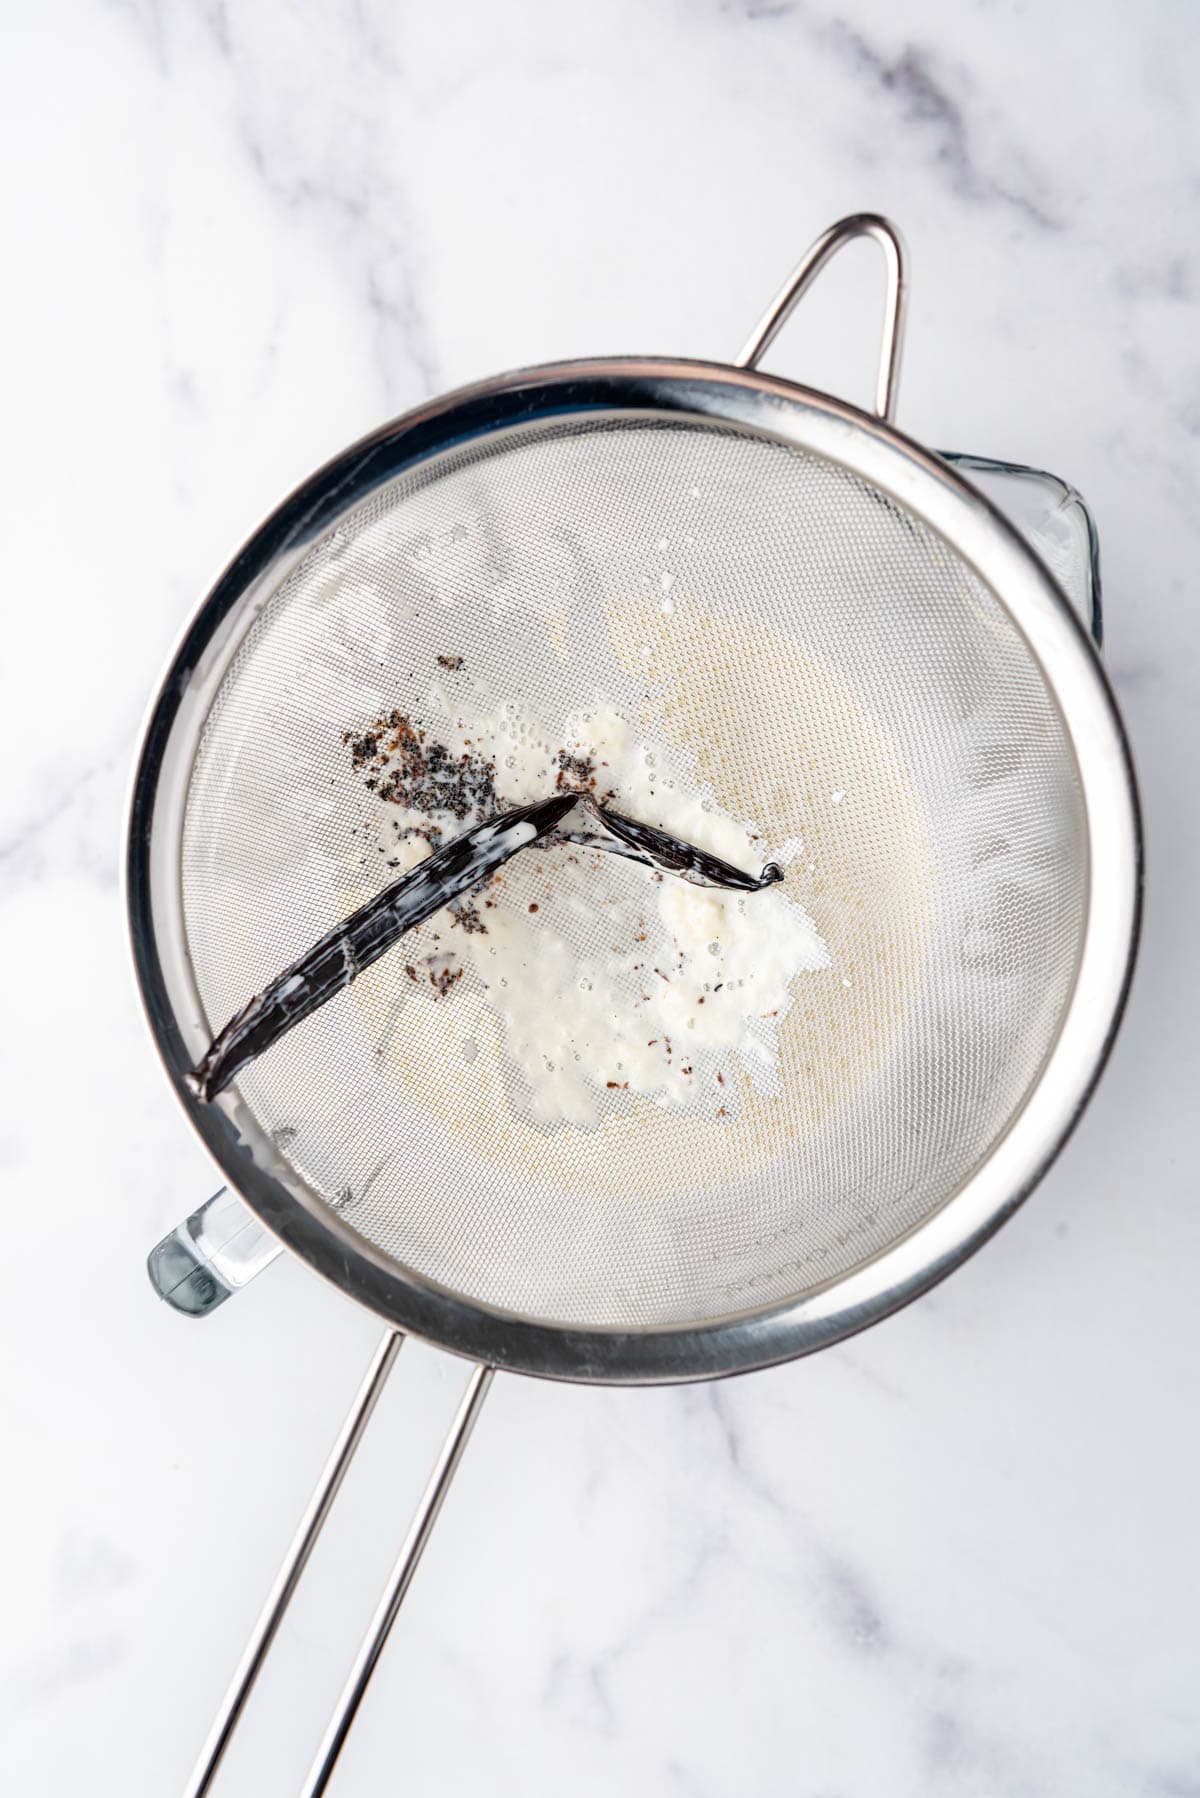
(859, 224)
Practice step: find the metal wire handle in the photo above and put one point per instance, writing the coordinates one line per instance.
(885, 234)
(293, 1565)
(296, 1559)
(413, 1547)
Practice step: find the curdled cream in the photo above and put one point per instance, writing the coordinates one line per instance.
(608, 981)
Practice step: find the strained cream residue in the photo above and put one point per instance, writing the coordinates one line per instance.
(606, 981)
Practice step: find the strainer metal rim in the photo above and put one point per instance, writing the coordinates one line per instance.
(712, 394)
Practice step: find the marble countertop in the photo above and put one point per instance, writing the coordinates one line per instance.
(957, 1555)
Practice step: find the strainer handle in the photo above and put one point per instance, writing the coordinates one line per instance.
(411, 1550)
(294, 1562)
(859, 224)
(297, 1557)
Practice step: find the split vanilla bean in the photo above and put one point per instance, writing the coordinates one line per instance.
(342, 953)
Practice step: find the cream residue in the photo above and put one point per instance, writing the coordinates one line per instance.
(606, 979)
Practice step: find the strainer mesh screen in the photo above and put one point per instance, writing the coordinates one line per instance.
(816, 660)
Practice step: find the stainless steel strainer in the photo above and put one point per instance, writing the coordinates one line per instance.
(851, 647)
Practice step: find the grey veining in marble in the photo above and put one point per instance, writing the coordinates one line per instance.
(956, 1556)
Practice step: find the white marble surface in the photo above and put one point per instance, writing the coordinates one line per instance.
(956, 1556)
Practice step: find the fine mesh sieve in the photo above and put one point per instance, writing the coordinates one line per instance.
(821, 643)
(831, 634)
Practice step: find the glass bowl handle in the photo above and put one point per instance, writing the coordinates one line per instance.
(210, 1255)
